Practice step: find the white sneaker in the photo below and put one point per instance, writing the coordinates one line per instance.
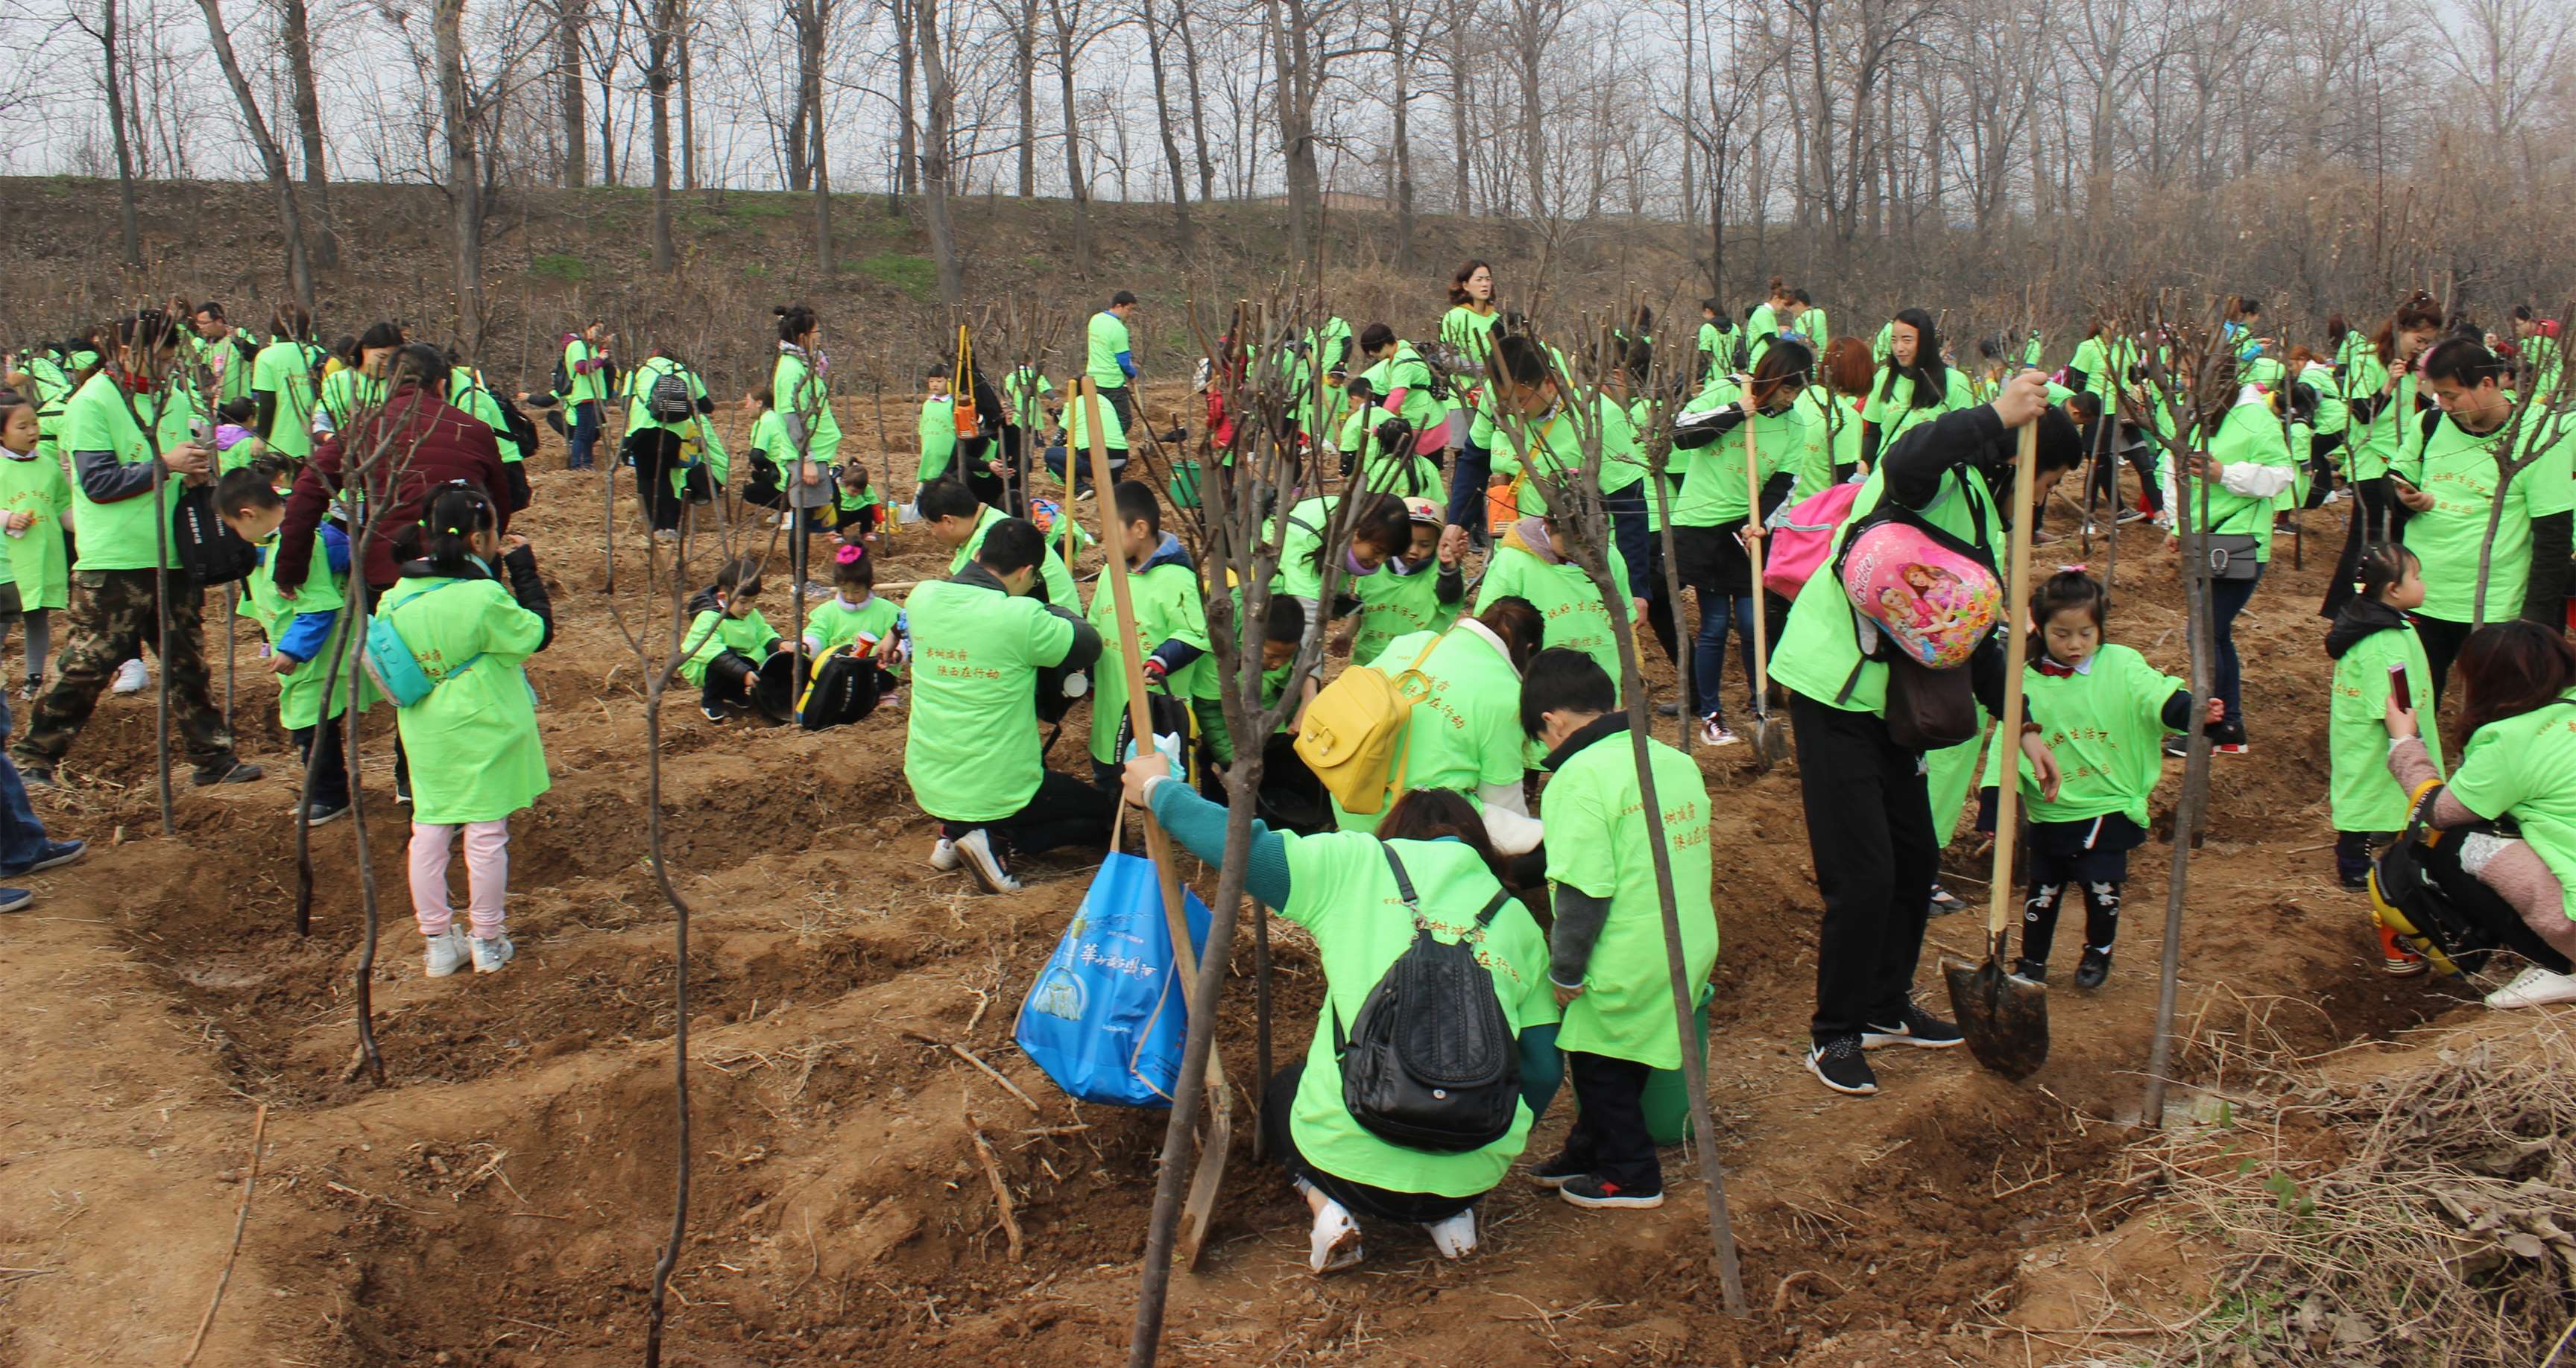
(447, 953)
(491, 953)
(1713, 733)
(2534, 987)
(130, 678)
(975, 851)
(1455, 1237)
(943, 856)
(1334, 1242)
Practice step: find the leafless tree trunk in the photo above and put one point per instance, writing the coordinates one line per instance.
(272, 158)
(1198, 105)
(1024, 70)
(1461, 113)
(661, 31)
(804, 130)
(688, 108)
(1296, 53)
(935, 166)
(129, 219)
(296, 36)
(907, 145)
(1069, 45)
(464, 187)
(1400, 42)
(1163, 124)
(569, 18)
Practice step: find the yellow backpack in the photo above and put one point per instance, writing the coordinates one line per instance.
(1354, 729)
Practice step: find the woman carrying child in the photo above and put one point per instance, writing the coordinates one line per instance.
(475, 756)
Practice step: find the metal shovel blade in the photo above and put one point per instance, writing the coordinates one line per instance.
(2003, 1015)
(1770, 741)
(1199, 1209)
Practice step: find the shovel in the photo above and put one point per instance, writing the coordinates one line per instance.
(1770, 739)
(2003, 1015)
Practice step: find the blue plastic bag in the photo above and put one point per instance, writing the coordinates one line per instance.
(1106, 1017)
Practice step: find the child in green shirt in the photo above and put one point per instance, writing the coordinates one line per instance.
(33, 495)
(2106, 712)
(727, 639)
(2378, 657)
(310, 692)
(938, 427)
(845, 685)
(1163, 593)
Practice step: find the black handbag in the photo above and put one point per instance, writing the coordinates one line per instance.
(1431, 1063)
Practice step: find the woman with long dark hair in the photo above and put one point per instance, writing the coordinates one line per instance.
(1468, 331)
(1915, 385)
(2379, 388)
(2518, 763)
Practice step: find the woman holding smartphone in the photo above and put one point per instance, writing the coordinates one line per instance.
(2379, 385)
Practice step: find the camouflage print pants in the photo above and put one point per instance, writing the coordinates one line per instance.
(112, 618)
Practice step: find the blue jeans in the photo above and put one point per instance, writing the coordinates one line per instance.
(585, 435)
(2227, 598)
(1708, 651)
(1467, 480)
(22, 836)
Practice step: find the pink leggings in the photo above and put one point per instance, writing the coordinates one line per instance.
(487, 875)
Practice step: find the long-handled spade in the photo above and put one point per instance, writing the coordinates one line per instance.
(1209, 1177)
(1770, 739)
(2003, 1015)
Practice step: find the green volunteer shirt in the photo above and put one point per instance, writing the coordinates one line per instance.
(2250, 434)
(1393, 605)
(2333, 414)
(2458, 469)
(1839, 415)
(1565, 597)
(1060, 590)
(1891, 409)
(712, 633)
(1407, 371)
(1406, 472)
(1819, 649)
(347, 393)
(1599, 842)
(1300, 574)
(1026, 390)
(1165, 598)
(2107, 728)
(475, 753)
(286, 368)
(1341, 890)
(1465, 728)
(2374, 444)
(1077, 431)
(125, 535)
(229, 361)
(2365, 795)
(2525, 767)
(467, 393)
(769, 442)
(799, 389)
(2543, 355)
(587, 387)
(938, 429)
(970, 751)
(300, 694)
(37, 560)
(1470, 330)
(639, 395)
(1551, 444)
(1715, 492)
(1108, 337)
(1761, 329)
(836, 623)
(1712, 352)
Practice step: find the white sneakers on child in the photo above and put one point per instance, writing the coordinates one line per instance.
(2534, 987)
(491, 952)
(448, 952)
(1333, 1244)
(975, 851)
(130, 678)
(943, 856)
(1455, 1237)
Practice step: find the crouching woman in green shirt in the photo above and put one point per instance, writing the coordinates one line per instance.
(2519, 762)
(1343, 888)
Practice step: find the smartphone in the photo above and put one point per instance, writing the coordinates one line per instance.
(2398, 690)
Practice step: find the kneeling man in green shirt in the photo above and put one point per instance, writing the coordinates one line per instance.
(972, 752)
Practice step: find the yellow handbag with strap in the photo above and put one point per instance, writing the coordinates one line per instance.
(1354, 733)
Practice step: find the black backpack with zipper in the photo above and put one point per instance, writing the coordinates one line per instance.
(1431, 1063)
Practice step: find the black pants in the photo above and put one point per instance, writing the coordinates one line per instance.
(331, 781)
(1121, 399)
(1627, 510)
(2442, 642)
(1609, 1137)
(2376, 517)
(1659, 601)
(1869, 827)
(656, 452)
(728, 681)
(1279, 1099)
(1064, 811)
(2051, 884)
(2355, 851)
(990, 489)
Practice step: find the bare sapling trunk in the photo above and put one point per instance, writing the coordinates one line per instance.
(272, 158)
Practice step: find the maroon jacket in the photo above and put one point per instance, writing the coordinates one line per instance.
(425, 444)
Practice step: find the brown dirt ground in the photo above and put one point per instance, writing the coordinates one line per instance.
(501, 1199)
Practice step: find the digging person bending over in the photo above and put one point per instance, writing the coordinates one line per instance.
(973, 753)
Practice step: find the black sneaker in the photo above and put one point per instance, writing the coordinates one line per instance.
(38, 777)
(318, 813)
(2093, 968)
(2355, 883)
(715, 715)
(1596, 1193)
(1836, 1061)
(1917, 1027)
(228, 770)
(50, 855)
(1557, 1172)
(1944, 902)
(2034, 970)
(2178, 746)
(402, 790)
(1668, 710)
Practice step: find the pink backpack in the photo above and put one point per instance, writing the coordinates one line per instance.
(1927, 591)
(1802, 542)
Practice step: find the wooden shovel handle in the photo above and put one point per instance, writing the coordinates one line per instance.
(2016, 655)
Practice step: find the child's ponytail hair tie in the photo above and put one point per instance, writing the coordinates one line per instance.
(850, 554)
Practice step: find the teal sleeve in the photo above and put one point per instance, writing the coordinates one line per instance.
(1199, 826)
(1542, 1068)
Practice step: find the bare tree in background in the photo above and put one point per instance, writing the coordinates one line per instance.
(1072, 37)
(295, 35)
(464, 185)
(272, 158)
(811, 19)
(1154, 39)
(112, 75)
(936, 168)
(661, 36)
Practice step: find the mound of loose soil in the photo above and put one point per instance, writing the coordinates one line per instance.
(501, 1198)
